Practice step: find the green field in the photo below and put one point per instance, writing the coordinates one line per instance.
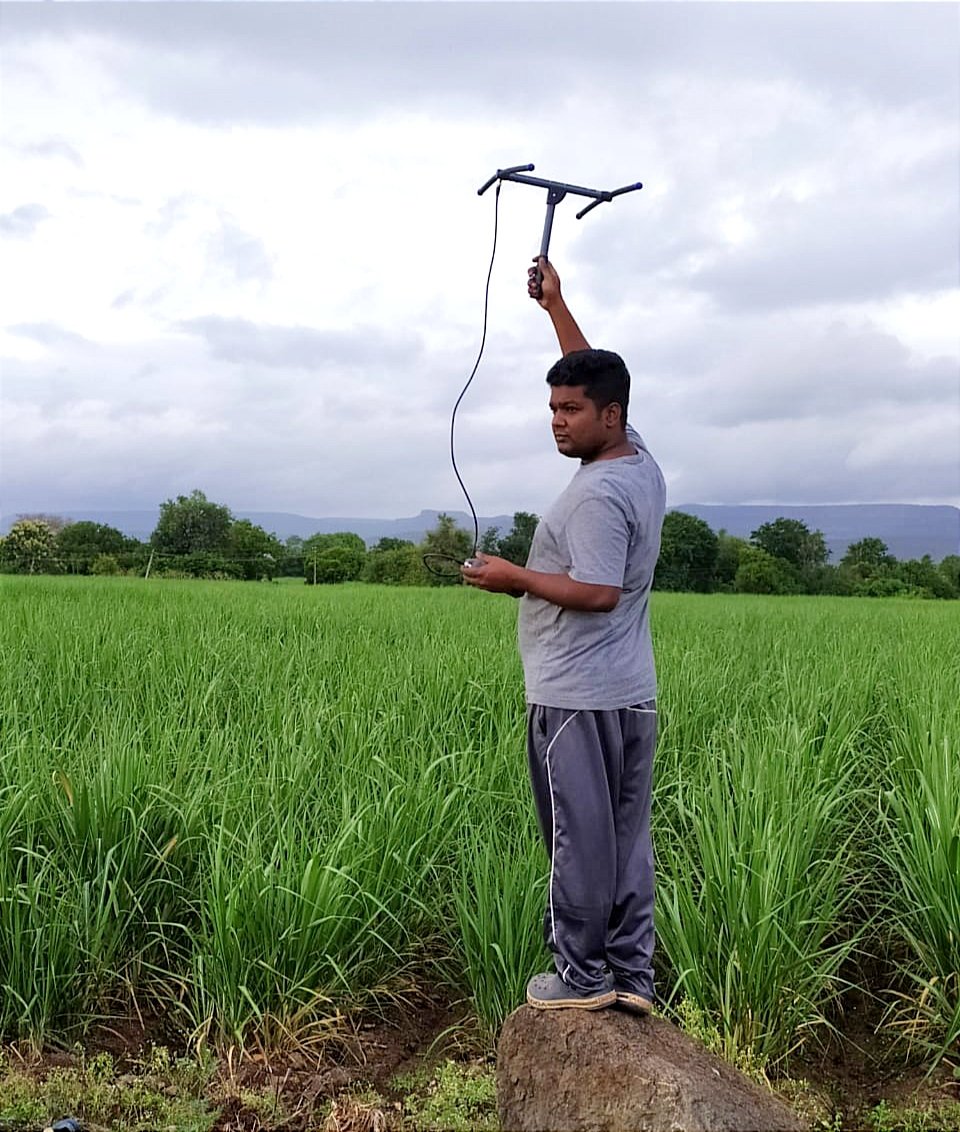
(247, 806)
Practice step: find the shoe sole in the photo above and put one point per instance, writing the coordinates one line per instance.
(633, 1003)
(597, 1002)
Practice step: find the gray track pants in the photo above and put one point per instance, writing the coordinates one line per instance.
(591, 773)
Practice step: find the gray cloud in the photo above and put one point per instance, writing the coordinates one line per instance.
(113, 198)
(48, 334)
(124, 299)
(818, 460)
(243, 254)
(23, 221)
(786, 369)
(142, 298)
(174, 211)
(252, 426)
(52, 147)
(263, 62)
(228, 245)
(240, 341)
(820, 224)
(844, 248)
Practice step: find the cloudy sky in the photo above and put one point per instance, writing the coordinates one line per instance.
(243, 249)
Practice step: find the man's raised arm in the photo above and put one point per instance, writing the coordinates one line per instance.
(547, 294)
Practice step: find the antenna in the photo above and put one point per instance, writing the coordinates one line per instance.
(556, 191)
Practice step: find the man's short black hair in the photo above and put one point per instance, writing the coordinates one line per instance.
(602, 374)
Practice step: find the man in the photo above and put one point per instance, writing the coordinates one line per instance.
(590, 681)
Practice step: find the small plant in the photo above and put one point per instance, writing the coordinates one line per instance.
(357, 1112)
(95, 1094)
(884, 1117)
(695, 1021)
(20, 1107)
(456, 1098)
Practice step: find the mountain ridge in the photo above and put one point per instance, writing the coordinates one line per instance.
(910, 530)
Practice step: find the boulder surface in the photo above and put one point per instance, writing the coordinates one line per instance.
(608, 1071)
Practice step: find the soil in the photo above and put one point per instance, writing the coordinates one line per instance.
(848, 1078)
(868, 1065)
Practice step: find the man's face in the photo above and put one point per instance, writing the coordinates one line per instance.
(579, 427)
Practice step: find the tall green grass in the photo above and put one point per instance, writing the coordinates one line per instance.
(253, 806)
(919, 842)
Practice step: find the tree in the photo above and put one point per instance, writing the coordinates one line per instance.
(688, 554)
(515, 547)
(192, 524)
(793, 541)
(950, 568)
(490, 541)
(829, 579)
(79, 544)
(56, 523)
(335, 564)
(867, 557)
(447, 539)
(331, 558)
(884, 585)
(388, 543)
(729, 551)
(291, 564)
(104, 565)
(923, 577)
(762, 573)
(31, 548)
(396, 564)
(253, 553)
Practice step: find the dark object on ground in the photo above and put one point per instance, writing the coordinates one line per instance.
(68, 1124)
(609, 1071)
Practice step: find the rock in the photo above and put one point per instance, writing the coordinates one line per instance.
(608, 1071)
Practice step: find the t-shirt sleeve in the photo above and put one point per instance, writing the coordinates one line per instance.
(597, 534)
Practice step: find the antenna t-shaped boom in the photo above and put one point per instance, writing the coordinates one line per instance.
(556, 191)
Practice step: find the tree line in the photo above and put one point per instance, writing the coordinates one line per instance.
(785, 557)
(198, 538)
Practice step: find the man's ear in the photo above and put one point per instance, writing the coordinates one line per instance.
(613, 414)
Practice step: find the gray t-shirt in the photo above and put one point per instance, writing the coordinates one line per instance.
(604, 529)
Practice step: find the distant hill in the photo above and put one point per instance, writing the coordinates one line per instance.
(910, 531)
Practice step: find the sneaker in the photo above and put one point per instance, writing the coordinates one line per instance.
(550, 992)
(631, 1002)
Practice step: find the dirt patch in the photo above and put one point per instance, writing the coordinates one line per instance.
(235, 1116)
(867, 1064)
(368, 1051)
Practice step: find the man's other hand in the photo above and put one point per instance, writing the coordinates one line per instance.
(495, 575)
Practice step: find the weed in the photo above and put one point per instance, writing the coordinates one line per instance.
(94, 1092)
(454, 1098)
